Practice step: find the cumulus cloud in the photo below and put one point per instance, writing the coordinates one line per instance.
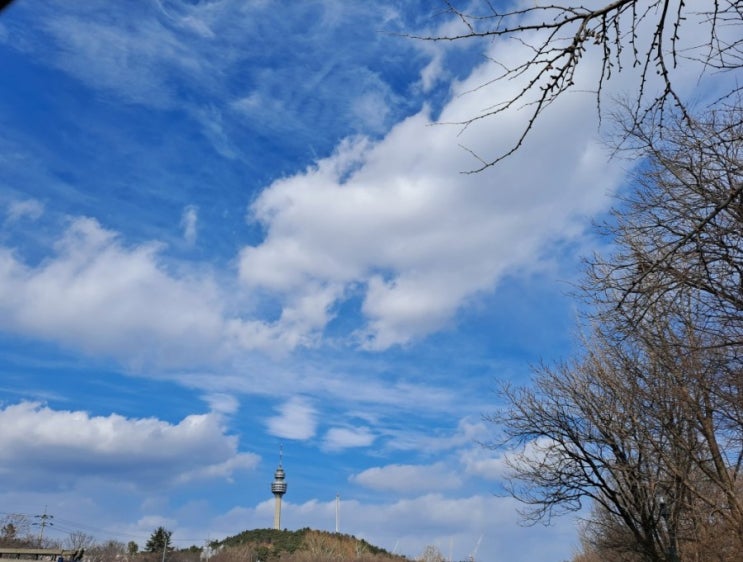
(408, 479)
(393, 221)
(338, 438)
(93, 293)
(45, 448)
(297, 419)
(97, 295)
(397, 219)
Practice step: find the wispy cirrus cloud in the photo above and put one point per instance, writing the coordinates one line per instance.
(189, 223)
(409, 479)
(30, 209)
(176, 47)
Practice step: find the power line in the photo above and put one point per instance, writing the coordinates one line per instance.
(64, 525)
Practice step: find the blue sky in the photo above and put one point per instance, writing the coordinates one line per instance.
(231, 226)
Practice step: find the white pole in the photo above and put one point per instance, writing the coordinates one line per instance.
(337, 512)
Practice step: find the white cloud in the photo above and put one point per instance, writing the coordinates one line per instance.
(45, 448)
(408, 479)
(213, 128)
(454, 524)
(93, 293)
(222, 403)
(467, 433)
(372, 396)
(297, 419)
(484, 463)
(405, 526)
(99, 296)
(395, 221)
(121, 62)
(372, 108)
(28, 208)
(189, 220)
(338, 438)
(433, 72)
(399, 220)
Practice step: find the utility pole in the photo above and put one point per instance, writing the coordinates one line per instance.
(208, 548)
(43, 523)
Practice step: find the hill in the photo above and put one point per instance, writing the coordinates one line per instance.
(304, 545)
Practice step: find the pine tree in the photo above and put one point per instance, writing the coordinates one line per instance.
(159, 540)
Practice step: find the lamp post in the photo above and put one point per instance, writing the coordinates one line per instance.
(671, 528)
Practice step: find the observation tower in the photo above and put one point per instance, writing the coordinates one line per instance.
(278, 489)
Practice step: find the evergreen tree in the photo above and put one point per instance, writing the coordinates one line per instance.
(159, 540)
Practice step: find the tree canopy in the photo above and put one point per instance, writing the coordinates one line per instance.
(159, 540)
(646, 422)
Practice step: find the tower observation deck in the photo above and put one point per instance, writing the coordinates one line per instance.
(278, 489)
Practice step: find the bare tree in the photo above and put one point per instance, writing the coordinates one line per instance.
(680, 231)
(605, 539)
(647, 424)
(624, 428)
(676, 278)
(15, 531)
(642, 36)
(431, 554)
(675, 283)
(582, 432)
(107, 551)
(79, 539)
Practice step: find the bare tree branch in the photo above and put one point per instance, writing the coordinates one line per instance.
(559, 36)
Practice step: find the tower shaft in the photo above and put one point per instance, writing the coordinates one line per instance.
(277, 512)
